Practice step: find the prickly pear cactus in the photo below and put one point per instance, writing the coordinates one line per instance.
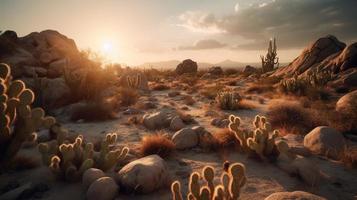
(228, 189)
(18, 121)
(241, 135)
(263, 140)
(68, 161)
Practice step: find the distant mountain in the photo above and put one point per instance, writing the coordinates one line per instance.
(171, 64)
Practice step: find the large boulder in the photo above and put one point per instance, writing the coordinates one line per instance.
(215, 70)
(312, 56)
(185, 138)
(104, 188)
(157, 120)
(56, 68)
(144, 175)
(325, 141)
(348, 103)
(296, 195)
(187, 66)
(176, 123)
(91, 175)
(53, 91)
(248, 70)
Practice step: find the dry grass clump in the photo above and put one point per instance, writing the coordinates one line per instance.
(292, 118)
(257, 88)
(93, 111)
(186, 118)
(127, 96)
(349, 157)
(230, 71)
(268, 80)
(226, 139)
(188, 100)
(189, 79)
(343, 122)
(157, 144)
(159, 86)
(211, 92)
(231, 100)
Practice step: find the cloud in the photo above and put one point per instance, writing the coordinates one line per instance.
(200, 22)
(293, 22)
(203, 44)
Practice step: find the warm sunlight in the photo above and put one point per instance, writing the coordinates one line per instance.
(109, 51)
(178, 99)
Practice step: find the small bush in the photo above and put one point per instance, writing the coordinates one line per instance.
(211, 91)
(226, 139)
(157, 144)
(259, 89)
(230, 71)
(292, 118)
(230, 100)
(186, 118)
(189, 79)
(127, 96)
(93, 111)
(349, 157)
(160, 87)
(188, 100)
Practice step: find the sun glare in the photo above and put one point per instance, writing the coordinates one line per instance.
(109, 51)
(107, 47)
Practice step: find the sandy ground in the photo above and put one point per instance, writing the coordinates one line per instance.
(263, 178)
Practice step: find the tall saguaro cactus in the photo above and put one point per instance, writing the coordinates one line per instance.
(18, 121)
(270, 60)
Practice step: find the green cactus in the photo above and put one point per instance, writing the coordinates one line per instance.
(18, 121)
(229, 188)
(228, 100)
(270, 61)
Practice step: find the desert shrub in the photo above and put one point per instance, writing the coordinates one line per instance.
(127, 96)
(211, 92)
(188, 100)
(230, 71)
(156, 144)
(152, 74)
(311, 85)
(255, 88)
(343, 122)
(292, 118)
(93, 111)
(89, 83)
(349, 157)
(185, 117)
(189, 79)
(268, 80)
(226, 139)
(160, 86)
(230, 100)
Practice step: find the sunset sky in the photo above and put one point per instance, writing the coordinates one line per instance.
(134, 32)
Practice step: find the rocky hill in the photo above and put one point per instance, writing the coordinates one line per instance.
(43, 55)
(326, 53)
